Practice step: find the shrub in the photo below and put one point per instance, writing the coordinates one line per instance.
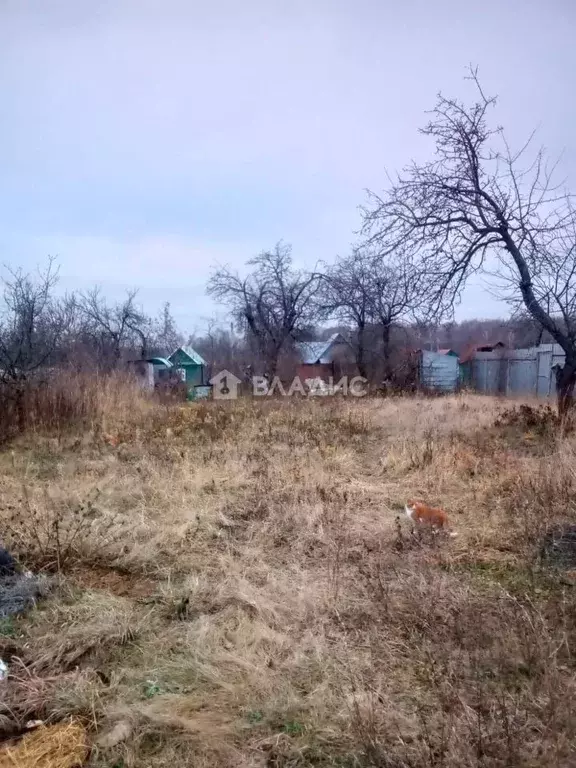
(52, 536)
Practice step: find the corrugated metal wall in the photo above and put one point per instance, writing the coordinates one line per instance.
(517, 371)
(438, 371)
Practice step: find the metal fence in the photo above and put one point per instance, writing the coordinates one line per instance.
(438, 371)
(514, 371)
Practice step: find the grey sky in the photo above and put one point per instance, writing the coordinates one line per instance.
(142, 141)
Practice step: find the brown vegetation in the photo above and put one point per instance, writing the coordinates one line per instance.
(63, 401)
(238, 590)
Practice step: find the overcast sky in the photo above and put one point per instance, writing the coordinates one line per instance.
(143, 140)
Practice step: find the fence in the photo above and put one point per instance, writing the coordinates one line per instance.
(514, 371)
(438, 371)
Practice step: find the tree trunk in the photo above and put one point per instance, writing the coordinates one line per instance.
(271, 365)
(117, 353)
(386, 349)
(143, 343)
(565, 384)
(360, 353)
(20, 401)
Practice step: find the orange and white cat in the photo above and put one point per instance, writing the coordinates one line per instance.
(423, 515)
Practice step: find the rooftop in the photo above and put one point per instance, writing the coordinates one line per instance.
(194, 356)
(313, 351)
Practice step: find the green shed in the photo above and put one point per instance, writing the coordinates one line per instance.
(192, 367)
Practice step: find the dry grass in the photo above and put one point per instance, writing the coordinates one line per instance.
(259, 604)
(60, 401)
(58, 746)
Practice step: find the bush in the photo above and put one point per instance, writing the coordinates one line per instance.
(540, 419)
(52, 536)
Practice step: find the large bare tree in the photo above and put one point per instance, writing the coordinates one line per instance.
(479, 205)
(112, 329)
(369, 290)
(273, 303)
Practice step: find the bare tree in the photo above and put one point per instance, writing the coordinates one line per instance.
(273, 303)
(113, 328)
(369, 289)
(165, 336)
(344, 294)
(220, 346)
(32, 323)
(478, 205)
(395, 295)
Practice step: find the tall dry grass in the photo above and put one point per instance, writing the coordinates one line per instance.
(263, 605)
(68, 400)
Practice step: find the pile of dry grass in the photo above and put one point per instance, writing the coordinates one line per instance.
(265, 606)
(54, 746)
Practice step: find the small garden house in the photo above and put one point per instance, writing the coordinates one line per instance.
(191, 367)
(321, 359)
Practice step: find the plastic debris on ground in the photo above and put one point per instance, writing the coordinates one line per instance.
(8, 566)
(559, 546)
(19, 591)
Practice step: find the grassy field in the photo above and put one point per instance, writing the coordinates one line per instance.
(233, 585)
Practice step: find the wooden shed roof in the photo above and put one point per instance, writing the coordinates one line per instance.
(311, 352)
(194, 357)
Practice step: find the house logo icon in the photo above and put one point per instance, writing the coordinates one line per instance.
(225, 386)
